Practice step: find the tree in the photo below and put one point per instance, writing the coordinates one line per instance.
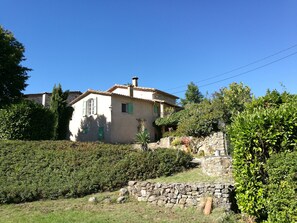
(13, 75)
(231, 101)
(62, 112)
(199, 119)
(193, 95)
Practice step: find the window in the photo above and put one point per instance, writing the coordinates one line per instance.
(127, 108)
(90, 107)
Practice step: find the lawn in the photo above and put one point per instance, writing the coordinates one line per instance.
(193, 176)
(80, 210)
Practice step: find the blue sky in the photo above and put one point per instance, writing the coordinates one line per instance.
(93, 44)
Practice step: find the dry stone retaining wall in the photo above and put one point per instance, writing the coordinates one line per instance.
(209, 144)
(182, 195)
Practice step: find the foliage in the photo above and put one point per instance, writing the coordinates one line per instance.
(199, 120)
(62, 112)
(193, 95)
(32, 170)
(171, 119)
(12, 74)
(231, 101)
(210, 115)
(271, 99)
(26, 121)
(282, 187)
(143, 138)
(255, 135)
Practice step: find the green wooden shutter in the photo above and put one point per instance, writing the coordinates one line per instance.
(101, 133)
(130, 108)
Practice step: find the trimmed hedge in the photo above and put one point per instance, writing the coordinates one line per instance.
(51, 169)
(256, 134)
(282, 187)
(26, 120)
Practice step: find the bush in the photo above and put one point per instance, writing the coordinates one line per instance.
(199, 120)
(26, 121)
(53, 169)
(256, 134)
(282, 188)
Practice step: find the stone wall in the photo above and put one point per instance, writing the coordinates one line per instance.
(216, 165)
(182, 195)
(203, 145)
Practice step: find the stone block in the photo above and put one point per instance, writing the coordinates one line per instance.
(131, 183)
(123, 192)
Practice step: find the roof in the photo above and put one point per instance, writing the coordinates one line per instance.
(90, 91)
(141, 89)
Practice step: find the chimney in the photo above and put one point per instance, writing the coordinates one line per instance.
(135, 81)
(44, 99)
(130, 90)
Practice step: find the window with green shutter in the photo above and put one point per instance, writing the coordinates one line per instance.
(130, 108)
(127, 108)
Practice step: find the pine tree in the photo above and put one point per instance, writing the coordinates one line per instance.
(193, 95)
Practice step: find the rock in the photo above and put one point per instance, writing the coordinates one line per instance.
(107, 200)
(143, 193)
(208, 206)
(121, 199)
(152, 198)
(123, 192)
(93, 200)
(132, 183)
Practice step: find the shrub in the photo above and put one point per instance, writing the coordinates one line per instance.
(255, 135)
(143, 138)
(282, 188)
(26, 121)
(53, 169)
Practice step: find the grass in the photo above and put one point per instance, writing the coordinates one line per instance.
(80, 210)
(193, 176)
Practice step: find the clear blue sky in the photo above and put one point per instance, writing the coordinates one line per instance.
(93, 44)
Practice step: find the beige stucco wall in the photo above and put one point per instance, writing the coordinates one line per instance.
(85, 128)
(124, 125)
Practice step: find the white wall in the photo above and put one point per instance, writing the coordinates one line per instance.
(136, 93)
(85, 128)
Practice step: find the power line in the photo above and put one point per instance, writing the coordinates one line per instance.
(265, 65)
(239, 68)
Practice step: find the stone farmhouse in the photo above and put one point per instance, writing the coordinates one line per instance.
(116, 115)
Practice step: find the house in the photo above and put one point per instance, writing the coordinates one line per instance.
(45, 98)
(116, 115)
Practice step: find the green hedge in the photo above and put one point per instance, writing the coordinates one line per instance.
(256, 134)
(52, 169)
(282, 187)
(26, 121)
